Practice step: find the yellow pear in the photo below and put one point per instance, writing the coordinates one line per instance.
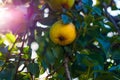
(57, 5)
(62, 34)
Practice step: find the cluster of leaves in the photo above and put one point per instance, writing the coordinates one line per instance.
(86, 56)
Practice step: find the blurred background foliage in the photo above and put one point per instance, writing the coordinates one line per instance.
(31, 55)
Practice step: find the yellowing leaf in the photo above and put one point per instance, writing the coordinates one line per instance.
(10, 37)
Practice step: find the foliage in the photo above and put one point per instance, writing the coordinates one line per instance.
(94, 55)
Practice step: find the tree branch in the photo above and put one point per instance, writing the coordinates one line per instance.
(8, 55)
(54, 71)
(111, 18)
(19, 58)
(67, 68)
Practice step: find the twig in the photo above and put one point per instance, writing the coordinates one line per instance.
(19, 59)
(67, 68)
(8, 55)
(111, 18)
(54, 71)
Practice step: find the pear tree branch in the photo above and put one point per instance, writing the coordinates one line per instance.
(19, 58)
(111, 18)
(54, 71)
(66, 60)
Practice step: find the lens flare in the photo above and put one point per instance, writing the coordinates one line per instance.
(11, 18)
(3, 15)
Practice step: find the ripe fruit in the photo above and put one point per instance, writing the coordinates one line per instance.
(62, 34)
(57, 5)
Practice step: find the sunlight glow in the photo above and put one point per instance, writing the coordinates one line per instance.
(75, 79)
(10, 18)
(34, 46)
(113, 12)
(94, 2)
(21, 67)
(46, 13)
(6, 43)
(44, 75)
(3, 15)
(117, 2)
(38, 24)
(1, 2)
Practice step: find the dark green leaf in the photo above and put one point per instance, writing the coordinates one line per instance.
(33, 68)
(115, 68)
(104, 43)
(44, 64)
(1, 63)
(77, 24)
(105, 76)
(89, 19)
(97, 58)
(97, 11)
(7, 74)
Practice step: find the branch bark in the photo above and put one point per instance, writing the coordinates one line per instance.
(66, 60)
(19, 58)
(54, 71)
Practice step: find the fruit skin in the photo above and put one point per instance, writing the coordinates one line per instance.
(57, 5)
(62, 34)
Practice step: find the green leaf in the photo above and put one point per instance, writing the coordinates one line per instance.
(89, 62)
(66, 19)
(105, 76)
(1, 40)
(4, 50)
(1, 63)
(7, 74)
(49, 57)
(97, 11)
(78, 67)
(57, 51)
(116, 54)
(26, 49)
(104, 43)
(77, 24)
(115, 68)
(44, 64)
(89, 19)
(87, 2)
(10, 37)
(11, 66)
(33, 68)
(97, 58)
